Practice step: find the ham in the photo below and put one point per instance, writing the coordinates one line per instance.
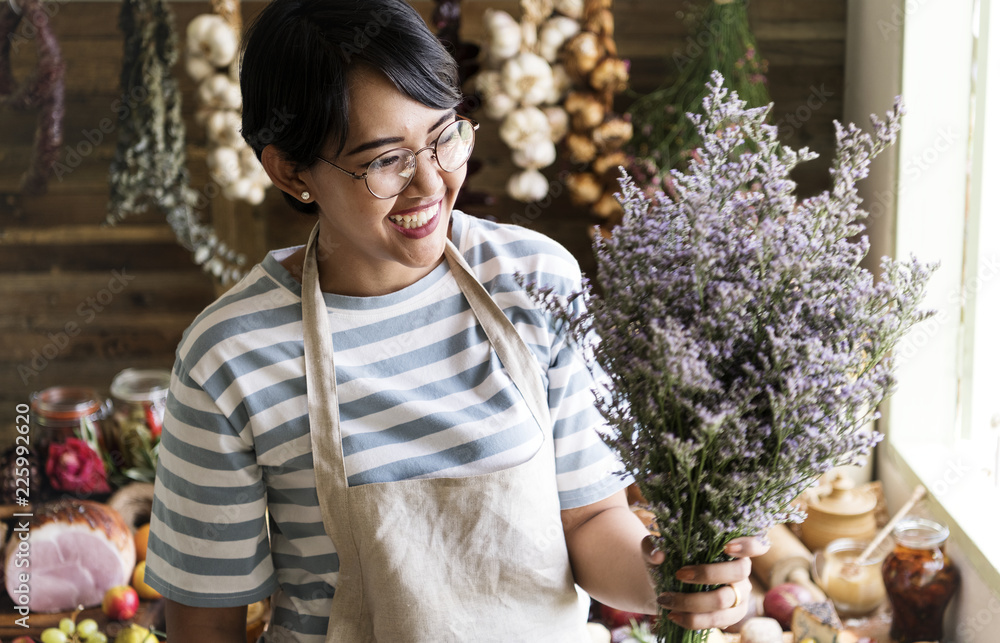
(76, 551)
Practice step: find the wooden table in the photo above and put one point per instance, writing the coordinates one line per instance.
(150, 615)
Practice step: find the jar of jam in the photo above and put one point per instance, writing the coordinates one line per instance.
(920, 579)
(62, 412)
(68, 423)
(140, 398)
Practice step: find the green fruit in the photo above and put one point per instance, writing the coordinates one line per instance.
(135, 634)
(97, 637)
(86, 628)
(52, 635)
(67, 626)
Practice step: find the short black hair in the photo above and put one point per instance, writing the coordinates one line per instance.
(295, 63)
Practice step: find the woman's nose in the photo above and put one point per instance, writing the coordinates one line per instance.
(427, 178)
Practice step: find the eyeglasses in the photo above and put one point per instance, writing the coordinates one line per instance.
(391, 172)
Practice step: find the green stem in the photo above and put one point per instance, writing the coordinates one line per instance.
(694, 486)
(669, 632)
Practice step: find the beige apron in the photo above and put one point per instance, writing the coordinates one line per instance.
(478, 559)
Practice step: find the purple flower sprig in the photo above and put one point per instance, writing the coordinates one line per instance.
(742, 349)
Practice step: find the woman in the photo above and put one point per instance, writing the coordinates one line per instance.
(420, 433)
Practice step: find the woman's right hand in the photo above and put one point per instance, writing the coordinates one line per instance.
(715, 608)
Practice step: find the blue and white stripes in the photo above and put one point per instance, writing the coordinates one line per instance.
(421, 395)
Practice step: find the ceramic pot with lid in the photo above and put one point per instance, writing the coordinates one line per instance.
(842, 511)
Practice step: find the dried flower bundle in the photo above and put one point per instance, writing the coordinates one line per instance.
(149, 169)
(742, 346)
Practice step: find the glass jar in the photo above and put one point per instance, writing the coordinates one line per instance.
(855, 586)
(920, 579)
(62, 412)
(67, 425)
(140, 398)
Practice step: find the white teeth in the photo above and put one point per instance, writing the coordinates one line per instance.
(411, 221)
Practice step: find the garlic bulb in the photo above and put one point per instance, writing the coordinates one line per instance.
(488, 83)
(224, 165)
(249, 165)
(607, 206)
(214, 90)
(586, 111)
(570, 8)
(558, 122)
(527, 78)
(584, 51)
(503, 34)
(601, 22)
(584, 188)
(581, 148)
(496, 103)
(231, 98)
(609, 164)
(526, 87)
(535, 156)
(528, 186)
(222, 45)
(198, 31)
(613, 134)
(256, 194)
(553, 34)
(499, 105)
(224, 127)
(524, 127)
(198, 68)
(610, 75)
(561, 84)
(202, 114)
(210, 37)
(576, 101)
(212, 46)
(237, 190)
(529, 35)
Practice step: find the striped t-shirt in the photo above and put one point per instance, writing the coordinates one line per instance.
(421, 394)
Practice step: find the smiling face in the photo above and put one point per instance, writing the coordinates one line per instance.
(370, 246)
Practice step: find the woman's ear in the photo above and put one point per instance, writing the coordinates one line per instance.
(284, 173)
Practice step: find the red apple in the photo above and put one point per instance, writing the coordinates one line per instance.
(23, 639)
(614, 618)
(120, 603)
(780, 601)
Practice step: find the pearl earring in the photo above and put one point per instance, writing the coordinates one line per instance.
(305, 196)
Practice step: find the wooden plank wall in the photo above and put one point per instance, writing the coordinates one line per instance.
(125, 294)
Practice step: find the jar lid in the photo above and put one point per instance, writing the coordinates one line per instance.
(138, 385)
(920, 533)
(66, 402)
(844, 499)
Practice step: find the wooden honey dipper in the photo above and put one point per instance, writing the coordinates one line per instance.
(852, 568)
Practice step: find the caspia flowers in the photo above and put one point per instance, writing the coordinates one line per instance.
(742, 346)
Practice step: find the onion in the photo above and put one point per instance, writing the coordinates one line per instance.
(780, 601)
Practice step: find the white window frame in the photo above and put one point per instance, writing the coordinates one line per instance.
(941, 187)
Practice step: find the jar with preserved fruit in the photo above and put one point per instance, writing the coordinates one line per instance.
(62, 412)
(140, 401)
(920, 580)
(68, 422)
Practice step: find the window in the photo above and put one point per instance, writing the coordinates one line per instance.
(942, 423)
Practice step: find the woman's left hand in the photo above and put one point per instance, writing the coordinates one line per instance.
(716, 608)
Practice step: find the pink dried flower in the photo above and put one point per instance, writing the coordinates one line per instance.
(74, 467)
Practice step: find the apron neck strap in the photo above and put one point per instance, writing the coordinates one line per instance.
(321, 381)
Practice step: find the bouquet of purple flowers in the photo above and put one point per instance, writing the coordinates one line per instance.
(742, 347)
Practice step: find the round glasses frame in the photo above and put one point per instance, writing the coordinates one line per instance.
(433, 146)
